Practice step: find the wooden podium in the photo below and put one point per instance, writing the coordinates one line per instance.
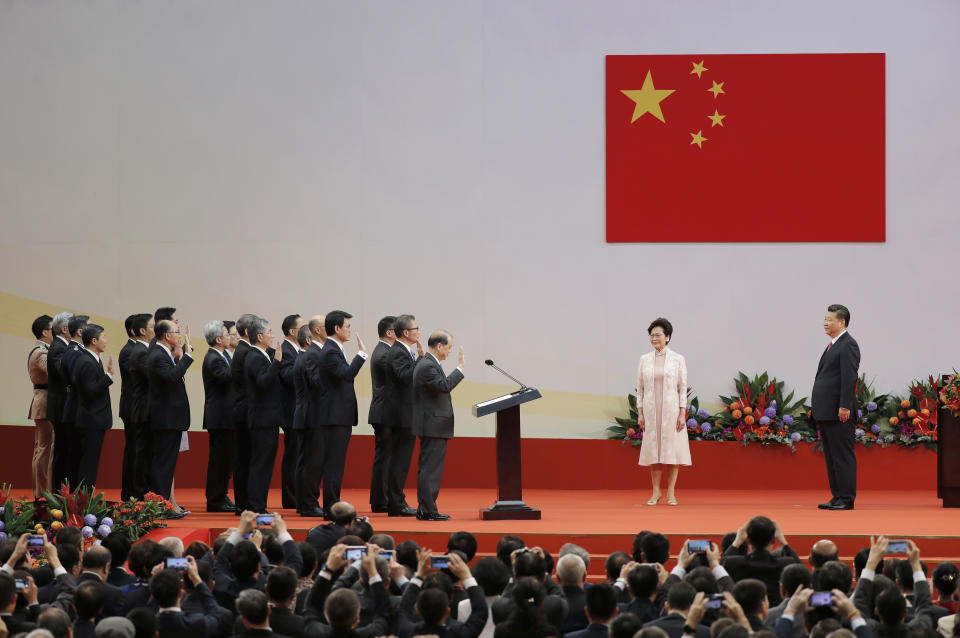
(948, 456)
(509, 504)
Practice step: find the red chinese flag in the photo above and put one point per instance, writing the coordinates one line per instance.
(745, 148)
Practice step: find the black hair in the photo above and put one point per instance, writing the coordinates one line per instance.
(401, 323)
(244, 559)
(727, 541)
(90, 332)
(860, 561)
(664, 325)
(385, 325)
(625, 626)
(197, 549)
(842, 312)
(794, 576)
(303, 334)
(363, 529)
(165, 587)
(289, 323)
(41, 323)
(144, 622)
(529, 564)
(615, 563)
(656, 548)
(836, 575)
(161, 329)
(128, 325)
(406, 554)
(601, 600)
(139, 323)
(750, 593)
(433, 604)
(76, 324)
(243, 322)
(309, 555)
(945, 576)
(506, 546)
(164, 313)
(760, 532)
(638, 539)
(8, 589)
(69, 555)
(643, 581)
(229, 324)
(891, 606)
(680, 596)
(88, 599)
(702, 579)
(465, 542)
(334, 320)
(491, 575)
(281, 584)
(141, 559)
(271, 548)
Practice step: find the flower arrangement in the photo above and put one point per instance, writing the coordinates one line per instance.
(16, 516)
(913, 418)
(950, 394)
(871, 423)
(760, 412)
(136, 518)
(701, 425)
(626, 429)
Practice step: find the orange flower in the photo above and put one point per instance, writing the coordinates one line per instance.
(901, 414)
(735, 405)
(894, 420)
(737, 414)
(128, 523)
(904, 404)
(917, 421)
(925, 412)
(631, 432)
(748, 419)
(748, 410)
(912, 413)
(56, 526)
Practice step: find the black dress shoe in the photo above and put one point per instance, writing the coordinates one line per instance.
(316, 512)
(406, 511)
(378, 509)
(222, 506)
(840, 505)
(432, 516)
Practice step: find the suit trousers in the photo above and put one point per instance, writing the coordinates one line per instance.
(336, 439)
(42, 457)
(288, 467)
(58, 466)
(382, 451)
(220, 464)
(241, 468)
(74, 444)
(403, 444)
(143, 456)
(838, 451)
(263, 454)
(309, 468)
(165, 446)
(128, 473)
(433, 453)
(89, 454)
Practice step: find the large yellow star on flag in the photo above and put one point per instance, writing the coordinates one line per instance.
(648, 99)
(698, 138)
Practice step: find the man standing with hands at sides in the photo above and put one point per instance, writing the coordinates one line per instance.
(834, 400)
(57, 396)
(43, 436)
(218, 417)
(338, 411)
(74, 439)
(381, 430)
(398, 410)
(127, 474)
(288, 470)
(241, 471)
(138, 378)
(265, 410)
(433, 420)
(310, 459)
(166, 366)
(92, 382)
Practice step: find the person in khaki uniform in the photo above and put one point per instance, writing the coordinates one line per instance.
(43, 436)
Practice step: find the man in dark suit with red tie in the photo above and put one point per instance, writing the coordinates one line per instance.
(433, 420)
(94, 412)
(834, 401)
(167, 363)
(337, 410)
(218, 417)
(264, 411)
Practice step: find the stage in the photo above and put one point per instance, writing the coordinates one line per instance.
(604, 521)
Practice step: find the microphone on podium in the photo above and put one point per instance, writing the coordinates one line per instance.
(523, 386)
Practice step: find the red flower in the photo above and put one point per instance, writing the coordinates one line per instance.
(128, 522)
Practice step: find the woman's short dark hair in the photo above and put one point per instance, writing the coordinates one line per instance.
(662, 323)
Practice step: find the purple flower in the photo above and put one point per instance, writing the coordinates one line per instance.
(691, 423)
(795, 437)
(705, 428)
(87, 531)
(787, 420)
(90, 520)
(871, 406)
(858, 432)
(859, 414)
(770, 412)
(703, 413)
(3, 526)
(107, 521)
(103, 530)
(3, 536)
(764, 420)
(875, 428)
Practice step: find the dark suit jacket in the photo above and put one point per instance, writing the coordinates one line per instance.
(193, 603)
(264, 390)
(283, 622)
(84, 629)
(323, 537)
(593, 630)
(673, 624)
(784, 629)
(576, 616)
(217, 392)
(169, 405)
(835, 384)
(398, 409)
(314, 612)
(240, 397)
(66, 368)
(288, 386)
(554, 608)
(114, 603)
(759, 564)
(119, 577)
(226, 586)
(187, 625)
(311, 377)
(433, 410)
(123, 362)
(469, 629)
(139, 381)
(56, 381)
(643, 608)
(378, 378)
(92, 386)
(300, 391)
(339, 403)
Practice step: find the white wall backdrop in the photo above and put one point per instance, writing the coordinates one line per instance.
(447, 159)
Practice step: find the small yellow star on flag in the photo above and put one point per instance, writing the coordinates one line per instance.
(716, 89)
(698, 138)
(698, 68)
(716, 118)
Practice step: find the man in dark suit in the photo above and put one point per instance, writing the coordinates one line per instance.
(680, 603)
(94, 412)
(310, 459)
(139, 389)
(433, 420)
(255, 616)
(281, 591)
(127, 482)
(166, 587)
(264, 410)
(304, 340)
(57, 395)
(601, 607)
(337, 411)
(760, 563)
(73, 437)
(218, 417)
(398, 410)
(288, 468)
(572, 575)
(241, 470)
(382, 440)
(96, 568)
(434, 604)
(834, 400)
(169, 405)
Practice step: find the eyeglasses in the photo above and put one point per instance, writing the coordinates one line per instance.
(657, 334)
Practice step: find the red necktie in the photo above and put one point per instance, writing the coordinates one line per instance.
(829, 345)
